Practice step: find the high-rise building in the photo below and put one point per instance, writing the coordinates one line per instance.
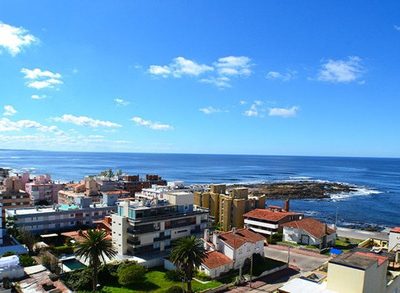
(227, 208)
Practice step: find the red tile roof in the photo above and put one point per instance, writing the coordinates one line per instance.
(237, 238)
(379, 258)
(395, 230)
(267, 214)
(311, 226)
(215, 259)
(117, 192)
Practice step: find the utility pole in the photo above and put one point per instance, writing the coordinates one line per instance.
(251, 269)
(288, 258)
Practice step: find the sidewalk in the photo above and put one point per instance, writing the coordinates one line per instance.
(298, 251)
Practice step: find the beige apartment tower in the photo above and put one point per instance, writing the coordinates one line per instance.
(227, 209)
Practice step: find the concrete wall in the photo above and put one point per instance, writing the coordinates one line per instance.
(394, 241)
(345, 279)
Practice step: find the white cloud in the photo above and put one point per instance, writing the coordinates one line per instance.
(341, 71)
(38, 97)
(397, 27)
(85, 121)
(242, 102)
(254, 110)
(9, 125)
(220, 81)
(14, 39)
(283, 112)
(209, 110)
(275, 75)
(151, 124)
(121, 102)
(9, 110)
(179, 67)
(234, 65)
(40, 79)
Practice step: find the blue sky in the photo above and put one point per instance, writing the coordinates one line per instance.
(259, 77)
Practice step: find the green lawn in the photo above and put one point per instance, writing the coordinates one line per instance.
(346, 244)
(155, 282)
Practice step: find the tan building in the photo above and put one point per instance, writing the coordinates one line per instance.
(227, 208)
(13, 195)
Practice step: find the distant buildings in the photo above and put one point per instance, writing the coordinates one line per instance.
(309, 231)
(147, 227)
(10, 268)
(12, 193)
(227, 208)
(64, 216)
(269, 221)
(230, 250)
(42, 190)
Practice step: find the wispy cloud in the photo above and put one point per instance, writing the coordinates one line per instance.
(397, 27)
(7, 125)
(275, 75)
(254, 110)
(40, 79)
(38, 97)
(218, 74)
(341, 71)
(86, 121)
(14, 39)
(179, 67)
(121, 102)
(151, 124)
(9, 110)
(210, 110)
(283, 112)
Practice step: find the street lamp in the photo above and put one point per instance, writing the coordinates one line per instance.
(251, 265)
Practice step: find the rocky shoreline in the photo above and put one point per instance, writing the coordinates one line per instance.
(298, 189)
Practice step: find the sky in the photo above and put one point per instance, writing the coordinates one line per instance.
(220, 77)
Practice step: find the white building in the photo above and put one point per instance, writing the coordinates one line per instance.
(61, 217)
(394, 239)
(237, 245)
(10, 268)
(309, 231)
(146, 228)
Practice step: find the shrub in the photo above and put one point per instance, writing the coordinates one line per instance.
(9, 253)
(202, 276)
(26, 260)
(174, 289)
(274, 238)
(65, 249)
(174, 275)
(79, 280)
(128, 275)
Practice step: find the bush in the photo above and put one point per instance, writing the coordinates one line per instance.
(174, 289)
(79, 280)
(202, 276)
(174, 275)
(26, 260)
(8, 253)
(128, 275)
(274, 238)
(65, 249)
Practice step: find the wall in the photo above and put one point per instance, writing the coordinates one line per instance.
(345, 279)
(394, 241)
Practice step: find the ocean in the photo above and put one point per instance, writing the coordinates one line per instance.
(376, 202)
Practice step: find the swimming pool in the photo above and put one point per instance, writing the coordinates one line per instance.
(73, 264)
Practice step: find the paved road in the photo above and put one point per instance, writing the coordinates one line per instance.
(305, 261)
(360, 234)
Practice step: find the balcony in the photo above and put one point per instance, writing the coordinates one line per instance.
(133, 241)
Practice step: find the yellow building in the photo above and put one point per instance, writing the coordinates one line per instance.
(228, 208)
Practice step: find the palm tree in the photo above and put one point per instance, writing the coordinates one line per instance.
(95, 247)
(187, 254)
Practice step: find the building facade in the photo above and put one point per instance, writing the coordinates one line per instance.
(148, 228)
(12, 194)
(43, 190)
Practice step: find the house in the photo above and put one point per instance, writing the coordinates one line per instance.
(269, 221)
(10, 267)
(309, 231)
(230, 250)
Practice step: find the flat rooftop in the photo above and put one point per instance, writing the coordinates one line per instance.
(359, 260)
(50, 209)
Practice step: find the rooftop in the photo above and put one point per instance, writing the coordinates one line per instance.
(270, 215)
(311, 226)
(215, 259)
(359, 260)
(395, 230)
(237, 238)
(50, 209)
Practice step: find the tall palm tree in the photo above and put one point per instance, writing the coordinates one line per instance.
(95, 247)
(187, 254)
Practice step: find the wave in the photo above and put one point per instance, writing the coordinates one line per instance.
(360, 191)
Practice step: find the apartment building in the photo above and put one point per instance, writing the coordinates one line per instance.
(62, 217)
(148, 227)
(12, 194)
(42, 190)
(227, 207)
(270, 220)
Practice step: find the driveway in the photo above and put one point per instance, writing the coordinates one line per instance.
(304, 260)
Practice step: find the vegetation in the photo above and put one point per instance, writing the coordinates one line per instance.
(275, 238)
(187, 254)
(63, 249)
(94, 248)
(131, 274)
(346, 244)
(26, 260)
(174, 275)
(262, 264)
(175, 289)
(202, 276)
(8, 253)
